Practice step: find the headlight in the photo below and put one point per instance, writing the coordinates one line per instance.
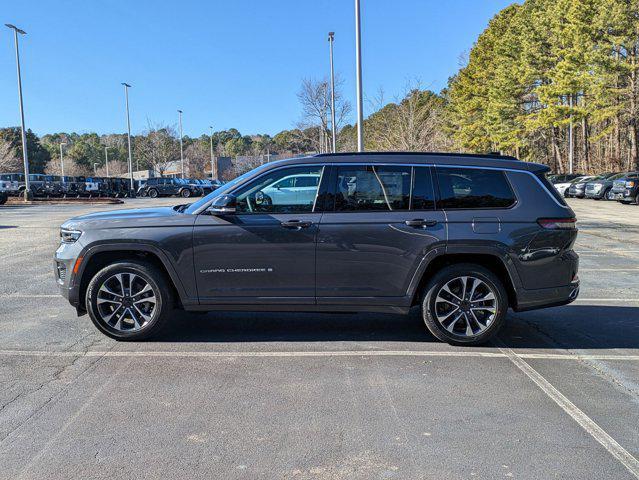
(69, 236)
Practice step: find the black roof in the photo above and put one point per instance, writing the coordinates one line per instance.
(436, 158)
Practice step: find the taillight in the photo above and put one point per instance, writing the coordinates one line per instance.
(558, 223)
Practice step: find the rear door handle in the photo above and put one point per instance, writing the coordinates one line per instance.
(420, 222)
(296, 224)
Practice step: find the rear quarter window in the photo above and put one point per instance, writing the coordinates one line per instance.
(473, 188)
(551, 188)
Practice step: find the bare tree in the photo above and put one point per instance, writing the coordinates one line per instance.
(157, 147)
(315, 98)
(197, 157)
(9, 161)
(413, 123)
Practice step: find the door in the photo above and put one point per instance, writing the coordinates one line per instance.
(382, 228)
(265, 252)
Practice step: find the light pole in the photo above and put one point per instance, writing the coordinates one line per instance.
(62, 159)
(128, 126)
(213, 166)
(106, 160)
(181, 145)
(358, 69)
(25, 156)
(95, 169)
(331, 39)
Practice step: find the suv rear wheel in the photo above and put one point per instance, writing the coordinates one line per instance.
(186, 193)
(153, 193)
(464, 304)
(129, 300)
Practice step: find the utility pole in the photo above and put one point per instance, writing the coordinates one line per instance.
(331, 39)
(62, 159)
(571, 142)
(358, 69)
(128, 125)
(213, 166)
(181, 147)
(25, 156)
(106, 160)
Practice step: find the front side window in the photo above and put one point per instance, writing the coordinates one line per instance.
(473, 188)
(373, 188)
(280, 192)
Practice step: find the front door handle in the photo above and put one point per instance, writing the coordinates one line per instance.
(420, 222)
(296, 224)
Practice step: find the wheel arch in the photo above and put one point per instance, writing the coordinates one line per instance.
(492, 261)
(97, 257)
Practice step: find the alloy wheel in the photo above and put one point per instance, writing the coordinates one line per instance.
(466, 306)
(126, 302)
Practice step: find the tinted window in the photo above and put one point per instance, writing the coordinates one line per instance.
(473, 188)
(266, 194)
(422, 198)
(369, 188)
(306, 181)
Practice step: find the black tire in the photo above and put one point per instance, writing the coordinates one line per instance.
(186, 193)
(606, 194)
(153, 193)
(3, 198)
(448, 274)
(160, 289)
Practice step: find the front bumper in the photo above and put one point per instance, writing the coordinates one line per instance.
(547, 297)
(64, 261)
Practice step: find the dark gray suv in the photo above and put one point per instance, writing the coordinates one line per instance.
(464, 237)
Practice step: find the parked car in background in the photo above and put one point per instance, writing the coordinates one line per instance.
(37, 183)
(626, 188)
(194, 185)
(11, 183)
(601, 188)
(577, 188)
(160, 186)
(562, 182)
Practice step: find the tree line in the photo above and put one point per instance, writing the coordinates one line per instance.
(548, 81)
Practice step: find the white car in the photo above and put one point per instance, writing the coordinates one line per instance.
(293, 190)
(562, 182)
(9, 183)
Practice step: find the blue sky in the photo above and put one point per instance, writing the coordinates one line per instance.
(232, 63)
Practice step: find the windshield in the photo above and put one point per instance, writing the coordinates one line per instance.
(224, 189)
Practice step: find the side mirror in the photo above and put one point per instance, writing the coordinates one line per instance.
(224, 204)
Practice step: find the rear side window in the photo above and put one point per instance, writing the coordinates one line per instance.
(551, 189)
(471, 188)
(372, 188)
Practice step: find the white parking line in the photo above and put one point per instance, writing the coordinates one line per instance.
(589, 425)
(333, 353)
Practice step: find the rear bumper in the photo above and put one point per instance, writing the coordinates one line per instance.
(547, 297)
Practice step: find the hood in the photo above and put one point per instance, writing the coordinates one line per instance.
(138, 217)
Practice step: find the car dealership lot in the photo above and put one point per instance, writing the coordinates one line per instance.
(268, 395)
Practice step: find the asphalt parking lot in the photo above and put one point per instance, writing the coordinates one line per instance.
(301, 396)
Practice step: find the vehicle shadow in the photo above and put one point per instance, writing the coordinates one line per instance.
(568, 327)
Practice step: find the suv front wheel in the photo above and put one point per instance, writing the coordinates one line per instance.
(464, 304)
(129, 300)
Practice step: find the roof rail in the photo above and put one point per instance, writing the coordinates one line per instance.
(437, 154)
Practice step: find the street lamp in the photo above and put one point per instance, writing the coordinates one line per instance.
(213, 166)
(25, 156)
(62, 159)
(181, 147)
(358, 69)
(331, 39)
(128, 126)
(95, 168)
(106, 160)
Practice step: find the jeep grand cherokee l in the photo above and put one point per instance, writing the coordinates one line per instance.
(463, 237)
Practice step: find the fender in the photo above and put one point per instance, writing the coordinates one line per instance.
(89, 251)
(493, 249)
